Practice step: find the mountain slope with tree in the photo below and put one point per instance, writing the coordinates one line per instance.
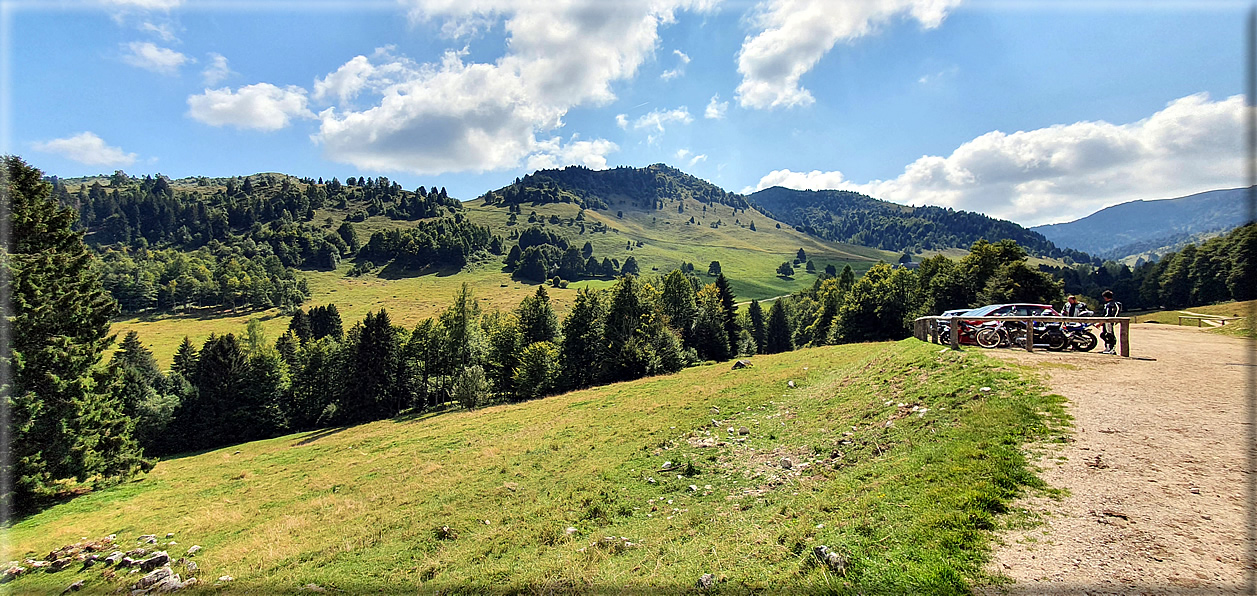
(1141, 228)
(846, 216)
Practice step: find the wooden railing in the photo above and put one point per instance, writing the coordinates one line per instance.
(927, 328)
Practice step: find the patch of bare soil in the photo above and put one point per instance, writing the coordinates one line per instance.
(1155, 476)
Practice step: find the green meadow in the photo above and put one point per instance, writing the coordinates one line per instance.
(900, 458)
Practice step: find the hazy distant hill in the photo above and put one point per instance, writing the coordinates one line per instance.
(1140, 227)
(845, 216)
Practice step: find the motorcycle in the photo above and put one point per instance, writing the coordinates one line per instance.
(1013, 333)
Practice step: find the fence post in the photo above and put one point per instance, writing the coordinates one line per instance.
(1030, 335)
(1124, 336)
(955, 333)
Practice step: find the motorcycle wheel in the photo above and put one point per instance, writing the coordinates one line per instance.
(1084, 341)
(987, 337)
(1056, 341)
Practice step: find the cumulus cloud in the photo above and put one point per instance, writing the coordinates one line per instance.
(795, 34)
(621, 120)
(553, 153)
(86, 148)
(1066, 171)
(259, 107)
(457, 116)
(149, 56)
(715, 108)
(217, 71)
(701, 157)
(679, 69)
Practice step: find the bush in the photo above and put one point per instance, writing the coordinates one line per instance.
(470, 387)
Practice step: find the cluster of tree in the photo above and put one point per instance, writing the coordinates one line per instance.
(216, 275)
(648, 188)
(540, 255)
(446, 242)
(845, 216)
(1218, 270)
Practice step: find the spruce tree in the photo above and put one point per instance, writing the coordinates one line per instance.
(62, 426)
(537, 321)
(759, 332)
(777, 338)
(583, 349)
(729, 308)
(185, 359)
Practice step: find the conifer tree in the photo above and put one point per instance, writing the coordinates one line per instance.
(62, 426)
(582, 354)
(537, 321)
(778, 333)
(729, 308)
(759, 332)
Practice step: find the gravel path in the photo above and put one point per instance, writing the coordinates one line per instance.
(1155, 476)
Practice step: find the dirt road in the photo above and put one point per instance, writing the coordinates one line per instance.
(1155, 476)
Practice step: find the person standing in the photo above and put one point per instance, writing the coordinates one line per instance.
(1111, 308)
(1073, 307)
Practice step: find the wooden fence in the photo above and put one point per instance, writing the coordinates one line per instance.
(927, 328)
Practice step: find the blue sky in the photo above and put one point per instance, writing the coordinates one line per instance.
(1034, 112)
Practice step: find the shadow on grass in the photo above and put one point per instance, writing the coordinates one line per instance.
(315, 435)
(393, 271)
(207, 313)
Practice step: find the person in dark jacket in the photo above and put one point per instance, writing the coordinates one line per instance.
(1073, 307)
(1111, 308)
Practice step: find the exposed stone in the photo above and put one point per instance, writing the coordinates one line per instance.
(74, 587)
(666, 466)
(170, 534)
(744, 431)
(786, 463)
(11, 574)
(113, 557)
(192, 551)
(790, 384)
(742, 364)
(191, 567)
(60, 564)
(226, 578)
(149, 538)
(158, 559)
(127, 562)
(569, 531)
(706, 581)
(137, 553)
(315, 588)
(830, 559)
(152, 578)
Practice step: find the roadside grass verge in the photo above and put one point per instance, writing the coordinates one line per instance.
(891, 454)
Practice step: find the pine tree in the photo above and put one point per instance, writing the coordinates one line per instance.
(759, 332)
(371, 395)
(62, 426)
(710, 338)
(729, 308)
(185, 359)
(778, 334)
(300, 326)
(583, 348)
(537, 321)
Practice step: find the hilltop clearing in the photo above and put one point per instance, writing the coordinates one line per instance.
(896, 457)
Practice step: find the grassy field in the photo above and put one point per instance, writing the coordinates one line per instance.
(1238, 328)
(749, 259)
(897, 456)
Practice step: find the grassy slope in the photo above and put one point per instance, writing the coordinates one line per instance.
(1226, 309)
(749, 259)
(358, 509)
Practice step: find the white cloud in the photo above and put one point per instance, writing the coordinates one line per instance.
(144, 4)
(621, 121)
(259, 107)
(1066, 171)
(795, 34)
(164, 31)
(682, 153)
(456, 116)
(346, 82)
(701, 157)
(553, 153)
(217, 71)
(149, 56)
(682, 60)
(87, 148)
(656, 119)
(715, 108)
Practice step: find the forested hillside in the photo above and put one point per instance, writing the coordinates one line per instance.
(845, 216)
(1152, 228)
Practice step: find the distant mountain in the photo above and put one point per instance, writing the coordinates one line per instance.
(1158, 226)
(845, 216)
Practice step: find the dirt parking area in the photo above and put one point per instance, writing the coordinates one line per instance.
(1155, 477)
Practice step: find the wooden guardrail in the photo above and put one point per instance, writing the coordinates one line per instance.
(927, 328)
(1202, 318)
